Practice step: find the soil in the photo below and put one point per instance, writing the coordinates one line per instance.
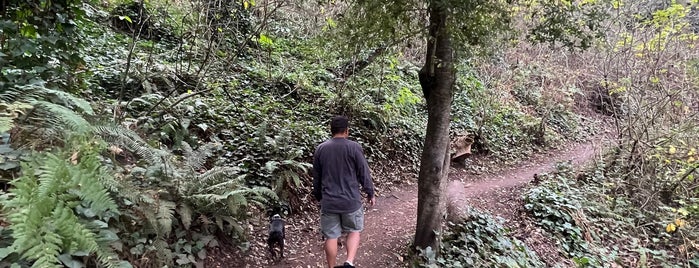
(390, 224)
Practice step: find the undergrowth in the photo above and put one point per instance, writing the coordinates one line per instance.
(480, 240)
(196, 118)
(595, 225)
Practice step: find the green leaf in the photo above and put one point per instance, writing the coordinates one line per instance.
(126, 18)
(69, 262)
(108, 235)
(265, 40)
(4, 252)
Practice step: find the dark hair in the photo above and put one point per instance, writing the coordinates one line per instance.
(339, 124)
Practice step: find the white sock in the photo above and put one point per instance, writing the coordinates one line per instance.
(349, 262)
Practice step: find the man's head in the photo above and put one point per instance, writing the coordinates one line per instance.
(339, 125)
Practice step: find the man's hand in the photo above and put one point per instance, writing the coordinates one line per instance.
(371, 201)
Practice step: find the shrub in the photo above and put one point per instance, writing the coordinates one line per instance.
(480, 240)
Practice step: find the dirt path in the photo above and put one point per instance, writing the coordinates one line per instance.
(390, 224)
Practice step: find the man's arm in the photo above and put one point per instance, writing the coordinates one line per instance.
(317, 173)
(363, 174)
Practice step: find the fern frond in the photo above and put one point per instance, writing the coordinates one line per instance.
(56, 116)
(68, 100)
(130, 141)
(217, 173)
(107, 257)
(165, 214)
(225, 185)
(50, 175)
(261, 195)
(10, 95)
(46, 249)
(185, 215)
(23, 93)
(236, 202)
(91, 191)
(187, 150)
(164, 254)
(6, 123)
(196, 158)
(41, 208)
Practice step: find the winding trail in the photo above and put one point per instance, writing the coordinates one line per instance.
(389, 225)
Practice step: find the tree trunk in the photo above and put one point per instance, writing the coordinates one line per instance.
(437, 79)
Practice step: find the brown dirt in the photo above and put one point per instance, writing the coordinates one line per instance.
(390, 224)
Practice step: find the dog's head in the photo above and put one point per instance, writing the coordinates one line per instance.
(278, 209)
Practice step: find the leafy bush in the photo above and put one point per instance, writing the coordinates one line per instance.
(37, 43)
(595, 223)
(507, 129)
(164, 187)
(557, 207)
(480, 240)
(60, 208)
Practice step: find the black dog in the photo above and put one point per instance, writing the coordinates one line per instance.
(276, 235)
(276, 228)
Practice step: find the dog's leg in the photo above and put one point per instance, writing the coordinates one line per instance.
(282, 240)
(281, 246)
(270, 247)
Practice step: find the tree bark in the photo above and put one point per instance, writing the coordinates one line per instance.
(437, 79)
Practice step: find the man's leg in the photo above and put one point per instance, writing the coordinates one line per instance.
(352, 245)
(331, 251)
(353, 223)
(330, 226)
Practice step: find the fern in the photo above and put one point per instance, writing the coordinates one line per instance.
(53, 109)
(23, 93)
(9, 113)
(68, 100)
(5, 123)
(39, 92)
(56, 116)
(185, 215)
(165, 214)
(131, 142)
(195, 159)
(217, 173)
(42, 202)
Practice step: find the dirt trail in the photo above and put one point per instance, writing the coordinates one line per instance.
(390, 224)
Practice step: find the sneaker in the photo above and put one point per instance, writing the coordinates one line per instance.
(348, 265)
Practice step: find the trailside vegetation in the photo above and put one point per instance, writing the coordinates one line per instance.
(148, 133)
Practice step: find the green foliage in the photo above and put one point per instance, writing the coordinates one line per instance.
(480, 240)
(9, 157)
(60, 206)
(595, 223)
(472, 24)
(169, 197)
(505, 129)
(218, 124)
(386, 107)
(44, 114)
(557, 207)
(573, 24)
(653, 166)
(38, 43)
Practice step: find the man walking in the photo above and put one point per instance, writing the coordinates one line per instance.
(339, 168)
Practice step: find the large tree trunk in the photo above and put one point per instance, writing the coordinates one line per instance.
(437, 78)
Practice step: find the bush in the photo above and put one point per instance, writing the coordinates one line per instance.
(480, 240)
(60, 207)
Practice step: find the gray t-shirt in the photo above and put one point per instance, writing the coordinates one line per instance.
(339, 168)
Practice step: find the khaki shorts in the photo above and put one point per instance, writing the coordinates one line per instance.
(332, 225)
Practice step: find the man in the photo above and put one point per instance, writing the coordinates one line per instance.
(339, 168)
